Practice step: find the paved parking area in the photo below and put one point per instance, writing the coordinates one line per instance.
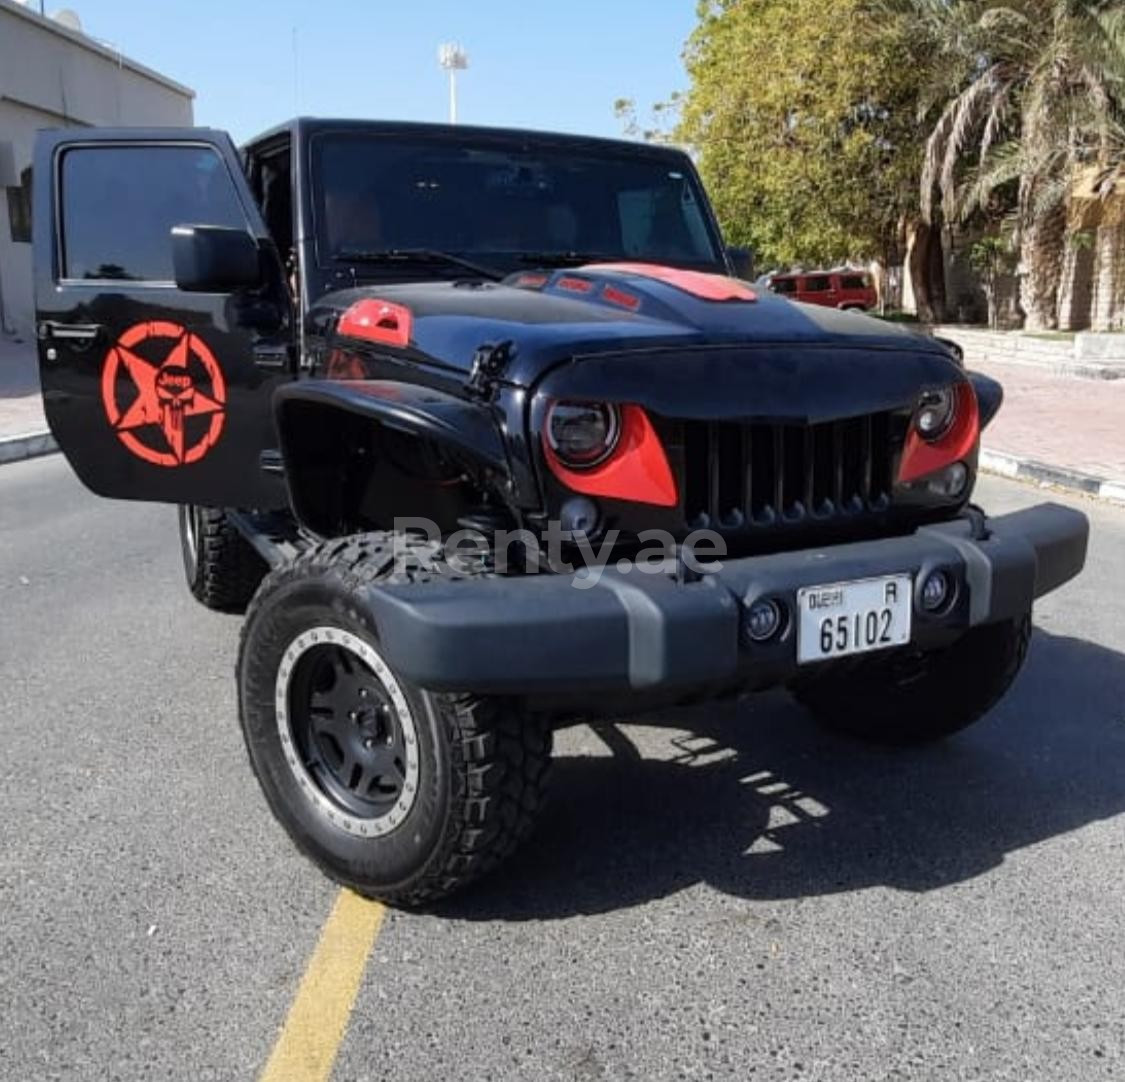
(720, 893)
(1069, 423)
(21, 408)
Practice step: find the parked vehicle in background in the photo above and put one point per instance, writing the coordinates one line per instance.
(833, 289)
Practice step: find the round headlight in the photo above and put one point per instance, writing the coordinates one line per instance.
(582, 434)
(935, 413)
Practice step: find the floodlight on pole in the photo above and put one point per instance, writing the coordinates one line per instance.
(453, 59)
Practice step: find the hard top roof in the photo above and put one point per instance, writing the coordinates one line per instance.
(305, 126)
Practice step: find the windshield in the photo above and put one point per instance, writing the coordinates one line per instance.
(503, 204)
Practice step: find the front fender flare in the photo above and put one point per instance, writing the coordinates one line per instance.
(464, 426)
(990, 396)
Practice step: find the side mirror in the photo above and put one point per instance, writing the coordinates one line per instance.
(742, 260)
(214, 259)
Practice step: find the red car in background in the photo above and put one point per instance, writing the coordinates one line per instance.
(833, 289)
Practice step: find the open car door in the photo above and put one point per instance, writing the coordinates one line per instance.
(163, 316)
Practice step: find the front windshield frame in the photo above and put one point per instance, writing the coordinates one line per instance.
(708, 255)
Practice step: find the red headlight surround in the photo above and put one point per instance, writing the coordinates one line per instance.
(636, 469)
(922, 456)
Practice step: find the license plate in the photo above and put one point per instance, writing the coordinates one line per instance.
(845, 618)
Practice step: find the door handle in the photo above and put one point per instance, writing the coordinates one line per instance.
(74, 332)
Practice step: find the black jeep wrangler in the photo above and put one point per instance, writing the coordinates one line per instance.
(481, 433)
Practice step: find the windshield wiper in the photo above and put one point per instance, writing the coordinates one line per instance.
(568, 259)
(415, 255)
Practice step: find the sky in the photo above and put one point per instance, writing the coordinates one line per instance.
(534, 64)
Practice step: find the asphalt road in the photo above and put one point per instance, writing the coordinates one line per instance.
(725, 893)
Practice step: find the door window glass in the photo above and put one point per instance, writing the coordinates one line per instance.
(119, 204)
(817, 285)
(269, 176)
(784, 285)
(852, 282)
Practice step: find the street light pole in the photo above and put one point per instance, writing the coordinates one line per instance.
(453, 59)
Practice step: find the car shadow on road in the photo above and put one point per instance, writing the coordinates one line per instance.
(761, 804)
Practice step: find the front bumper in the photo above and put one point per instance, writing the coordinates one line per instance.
(634, 632)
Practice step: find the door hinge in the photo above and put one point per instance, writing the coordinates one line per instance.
(271, 461)
(274, 357)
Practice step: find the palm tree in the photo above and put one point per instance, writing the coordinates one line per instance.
(1029, 92)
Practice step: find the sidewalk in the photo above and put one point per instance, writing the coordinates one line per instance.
(1057, 428)
(23, 428)
(1051, 428)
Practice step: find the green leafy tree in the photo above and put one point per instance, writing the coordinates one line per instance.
(1022, 93)
(992, 257)
(804, 119)
(661, 119)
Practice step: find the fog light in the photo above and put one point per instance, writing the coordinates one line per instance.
(763, 621)
(578, 516)
(935, 591)
(950, 482)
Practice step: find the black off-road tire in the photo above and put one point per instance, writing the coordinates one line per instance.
(916, 698)
(481, 762)
(220, 565)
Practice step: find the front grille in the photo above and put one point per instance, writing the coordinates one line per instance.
(744, 475)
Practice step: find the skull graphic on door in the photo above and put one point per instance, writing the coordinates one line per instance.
(164, 393)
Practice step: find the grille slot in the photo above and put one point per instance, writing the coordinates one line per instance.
(765, 474)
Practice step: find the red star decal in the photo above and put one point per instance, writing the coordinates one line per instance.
(166, 395)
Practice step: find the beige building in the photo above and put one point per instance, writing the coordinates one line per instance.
(1091, 263)
(53, 75)
(1092, 286)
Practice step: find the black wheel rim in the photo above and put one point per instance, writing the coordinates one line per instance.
(348, 730)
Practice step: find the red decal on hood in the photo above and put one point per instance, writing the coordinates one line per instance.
(621, 298)
(575, 285)
(708, 287)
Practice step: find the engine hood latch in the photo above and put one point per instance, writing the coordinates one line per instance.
(489, 364)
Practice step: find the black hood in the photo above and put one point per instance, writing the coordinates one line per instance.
(561, 315)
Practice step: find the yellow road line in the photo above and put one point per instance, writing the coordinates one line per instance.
(307, 1045)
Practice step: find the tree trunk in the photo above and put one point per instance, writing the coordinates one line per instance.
(990, 290)
(927, 273)
(1041, 258)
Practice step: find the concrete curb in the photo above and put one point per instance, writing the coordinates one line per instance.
(1028, 469)
(29, 445)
